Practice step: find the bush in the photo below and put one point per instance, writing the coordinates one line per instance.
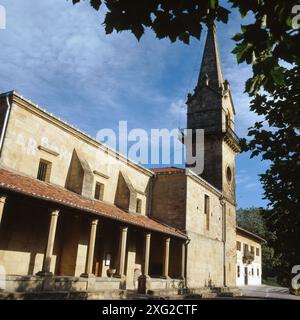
(296, 292)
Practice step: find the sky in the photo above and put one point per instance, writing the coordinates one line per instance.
(58, 56)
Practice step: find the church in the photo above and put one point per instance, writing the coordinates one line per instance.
(77, 216)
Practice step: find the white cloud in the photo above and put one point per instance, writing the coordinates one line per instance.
(62, 50)
(252, 185)
(177, 111)
(241, 179)
(58, 55)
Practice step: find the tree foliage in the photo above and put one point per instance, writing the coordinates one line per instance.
(274, 88)
(175, 19)
(272, 47)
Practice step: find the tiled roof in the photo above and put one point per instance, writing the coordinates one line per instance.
(250, 234)
(168, 170)
(12, 181)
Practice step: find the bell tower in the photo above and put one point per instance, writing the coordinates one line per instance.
(211, 108)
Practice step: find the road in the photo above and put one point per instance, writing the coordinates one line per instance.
(270, 292)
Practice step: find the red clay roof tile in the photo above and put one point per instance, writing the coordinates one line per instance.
(168, 170)
(32, 187)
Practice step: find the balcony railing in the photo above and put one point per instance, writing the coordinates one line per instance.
(248, 257)
(232, 135)
(229, 132)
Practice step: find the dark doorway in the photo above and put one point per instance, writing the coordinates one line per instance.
(246, 276)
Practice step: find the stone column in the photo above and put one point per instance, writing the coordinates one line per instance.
(166, 258)
(183, 253)
(2, 204)
(147, 254)
(50, 245)
(91, 250)
(122, 251)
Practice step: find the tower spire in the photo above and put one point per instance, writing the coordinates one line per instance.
(211, 70)
(211, 108)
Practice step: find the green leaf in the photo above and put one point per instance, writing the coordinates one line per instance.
(278, 75)
(222, 14)
(241, 51)
(96, 4)
(185, 38)
(138, 31)
(213, 4)
(238, 37)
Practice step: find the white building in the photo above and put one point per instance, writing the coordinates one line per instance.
(249, 258)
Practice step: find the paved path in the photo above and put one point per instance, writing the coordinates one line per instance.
(264, 291)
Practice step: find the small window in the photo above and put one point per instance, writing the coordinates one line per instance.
(252, 249)
(207, 210)
(258, 272)
(257, 252)
(44, 170)
(238, 245)
(99, 191)
(238, 271)
(252, 271)
(138, 205)
(229, 174)
(246, 248)
(227, 121)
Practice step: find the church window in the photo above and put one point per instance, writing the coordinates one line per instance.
(44, 170)
(207, 210)
(227, 121)
(138, 205)
(99, 191)
(229, 174)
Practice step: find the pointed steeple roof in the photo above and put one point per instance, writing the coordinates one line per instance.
(211, 70)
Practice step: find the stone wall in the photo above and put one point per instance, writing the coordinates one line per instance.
(204, 111)
(196, 219)
(134, 261)
(175, 259)
(29, 129)
(205, 261)
(23, 237)
(230, 244)
(169, 199)
(73, 237)
(206, 248)
(228, 186)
